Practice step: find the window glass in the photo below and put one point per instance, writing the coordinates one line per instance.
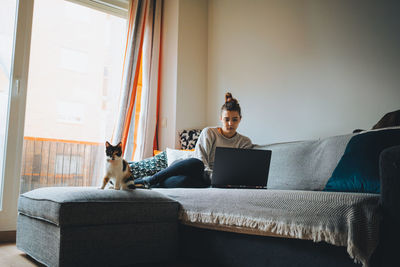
(73, 91)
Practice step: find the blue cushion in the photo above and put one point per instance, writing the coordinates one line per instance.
(149, 166)
(358, 169)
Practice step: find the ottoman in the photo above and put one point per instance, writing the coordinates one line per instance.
(86, 226)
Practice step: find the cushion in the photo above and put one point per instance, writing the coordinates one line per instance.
(149, 166)
(358, 169)
(93, 206)
(304, 165)
(175, 154)
(188, 138)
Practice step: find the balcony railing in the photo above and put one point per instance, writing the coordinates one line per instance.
(53, 162)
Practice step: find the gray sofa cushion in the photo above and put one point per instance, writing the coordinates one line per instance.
(304, 165)
(64, 206)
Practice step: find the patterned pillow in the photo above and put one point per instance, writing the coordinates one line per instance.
(189, 138)
(149, 166)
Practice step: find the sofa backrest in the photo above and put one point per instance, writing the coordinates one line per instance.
(304, 165)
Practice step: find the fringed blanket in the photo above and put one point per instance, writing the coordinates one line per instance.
(342, 219)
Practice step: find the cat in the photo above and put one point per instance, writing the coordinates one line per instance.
(118, 172)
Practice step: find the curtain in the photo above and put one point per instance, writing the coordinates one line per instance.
(136, 126)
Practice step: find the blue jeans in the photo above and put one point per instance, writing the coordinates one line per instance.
(183, 173)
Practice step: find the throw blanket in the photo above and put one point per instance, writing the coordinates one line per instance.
(342, 219)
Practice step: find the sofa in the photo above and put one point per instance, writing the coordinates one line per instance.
(297, 221)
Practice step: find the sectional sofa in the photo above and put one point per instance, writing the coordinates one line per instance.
(298, 221)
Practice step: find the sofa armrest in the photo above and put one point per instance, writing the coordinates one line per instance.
(390, 183)
(386, 252)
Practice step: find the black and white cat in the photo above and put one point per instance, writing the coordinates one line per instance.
(118, 172)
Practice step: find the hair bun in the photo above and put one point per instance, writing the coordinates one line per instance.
(231, 104)
(228, 97)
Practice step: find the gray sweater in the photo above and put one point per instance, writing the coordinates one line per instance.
(209, 139)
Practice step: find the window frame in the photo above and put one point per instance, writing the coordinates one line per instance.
(16, 115)
(17, 103)
(114, 7)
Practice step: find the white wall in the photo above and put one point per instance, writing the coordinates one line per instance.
(192, 64)
(303, 69)
(184, 69)
(169, 61)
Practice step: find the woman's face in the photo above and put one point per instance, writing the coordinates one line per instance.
(230, 122)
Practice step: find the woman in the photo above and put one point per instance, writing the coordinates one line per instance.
(197, 172)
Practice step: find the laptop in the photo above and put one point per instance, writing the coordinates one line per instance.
(241, 168)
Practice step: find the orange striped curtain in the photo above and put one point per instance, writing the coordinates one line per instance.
(137, 121)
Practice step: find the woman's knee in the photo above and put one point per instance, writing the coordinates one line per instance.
(196, 163)
(189, 164)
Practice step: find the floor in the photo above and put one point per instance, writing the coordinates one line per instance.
(10, 256)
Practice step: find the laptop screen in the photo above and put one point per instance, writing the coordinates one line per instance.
(241, 168)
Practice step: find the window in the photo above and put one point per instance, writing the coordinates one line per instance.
(70, 112)
(69, 164)
(74, 60)
(75, 74)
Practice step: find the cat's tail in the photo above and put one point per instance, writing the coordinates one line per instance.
(129, 183)
(131, 186)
